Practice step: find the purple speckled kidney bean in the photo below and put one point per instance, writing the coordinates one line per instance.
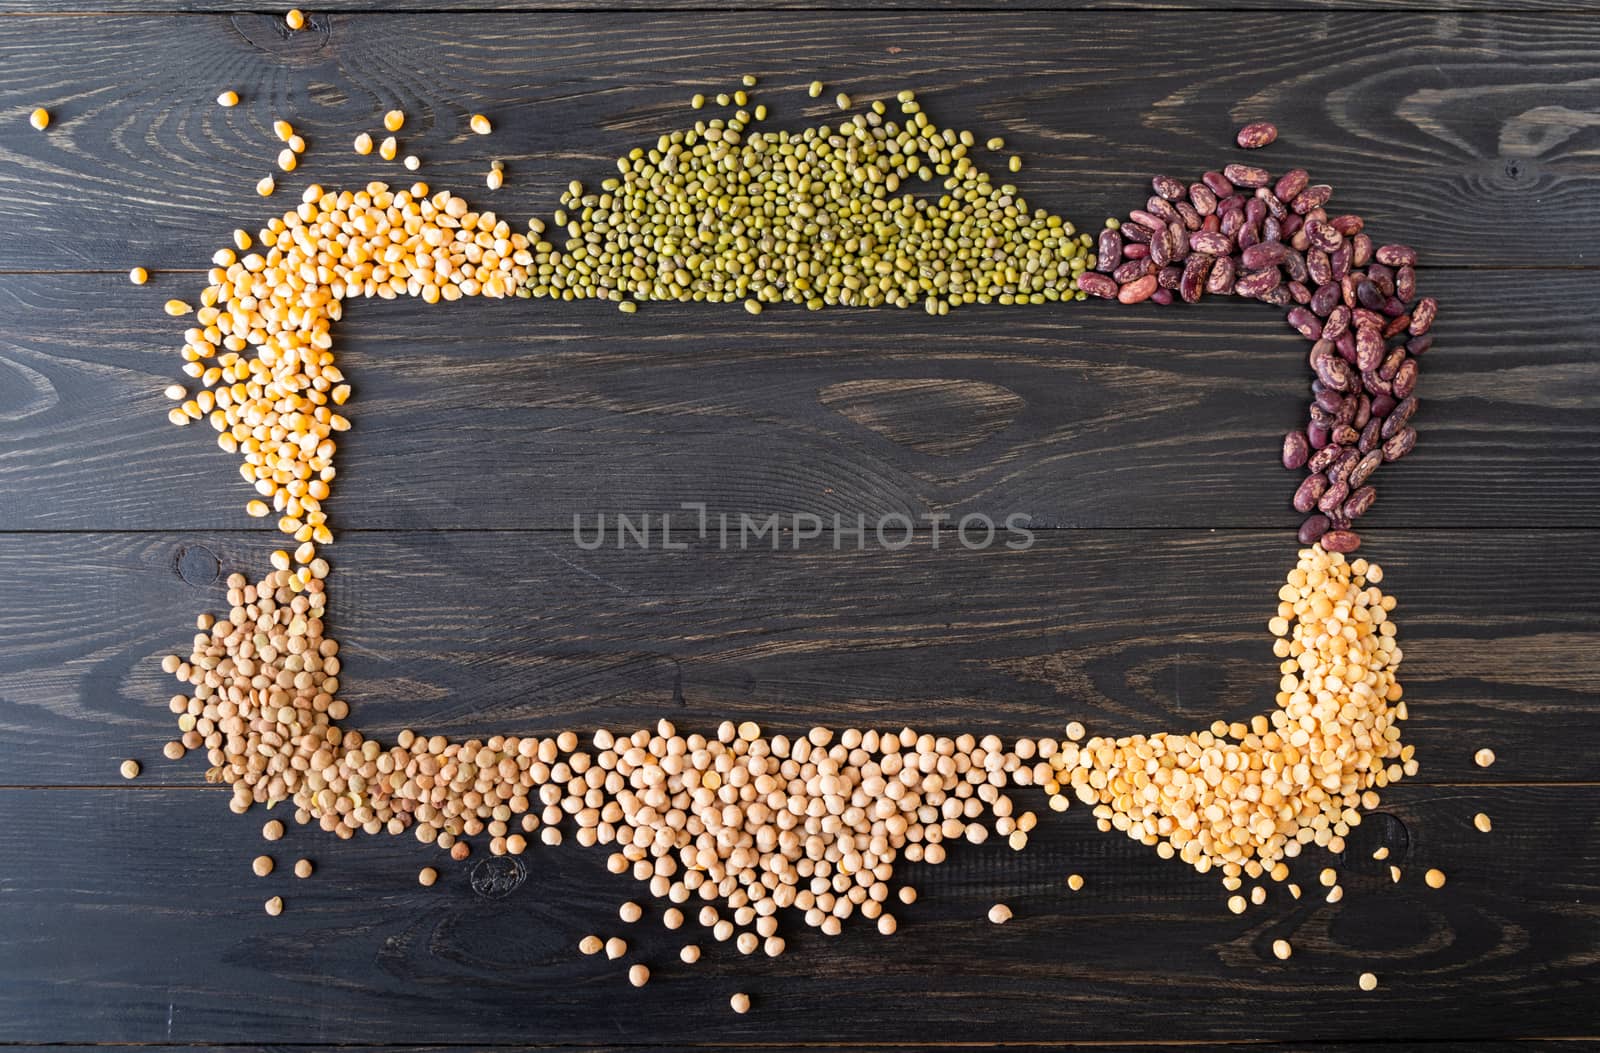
(1221, 280)
(1364, 468)
(1325, 300)
(1310, 491)
(1345, 541)
(1399, 444)
(1291, 183)
(1246, 175)
(1109, 254)
(1314, 528)
(1305, 323)
(1397, 255)
(1296, 449)
(1311, 197)
(1167, 187)
(1422, 318)
(1100, 285)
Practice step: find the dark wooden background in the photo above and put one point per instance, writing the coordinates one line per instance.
(1141, 441)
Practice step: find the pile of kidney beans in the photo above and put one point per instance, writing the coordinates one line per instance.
(1241, 232)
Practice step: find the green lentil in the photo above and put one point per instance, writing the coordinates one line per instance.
(842, 100)
(816, 89)
(996, 143)
(697, 102)
(749, 80)
(1015, 164)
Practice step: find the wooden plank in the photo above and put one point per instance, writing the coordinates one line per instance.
(1378, 1045)
(523, 414)
(470, 634)
(132, 917)
(317, 19)
(1449, 133)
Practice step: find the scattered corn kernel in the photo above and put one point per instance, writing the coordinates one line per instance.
(363, 144)
(266, 186)
(388, 148)
(138, 276)
(176, 308)
(1367, 982)
(394, 120)
(228, 99)
(1482, 822)
(1281, 950)
(40, 119)
(295, 19)
(480, 124)
(1434, 878)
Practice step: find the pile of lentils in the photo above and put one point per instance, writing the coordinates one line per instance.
(742, 823)
(1241, 232)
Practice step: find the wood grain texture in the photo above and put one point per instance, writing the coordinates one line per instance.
(127, 913)
(523, 414)
(325, 10)
(1130, 631)
(132, 916)
(1450, 133)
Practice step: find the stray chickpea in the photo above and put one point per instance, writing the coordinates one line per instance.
(908, 895)
(1367, 982)
(638, 975)
(1482, 822)
(427, 876)
(689, 954)
(274, 906)
(174, 750)
(887, 924)
(591, 945)
(1281, 950)
(303, 868)
(616, 947)
(272, 829)
(630, 912)
(1484, 757)
(740, 1003)
(262, 865)
(999, 913)
(130, 769)
(1237, 904)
